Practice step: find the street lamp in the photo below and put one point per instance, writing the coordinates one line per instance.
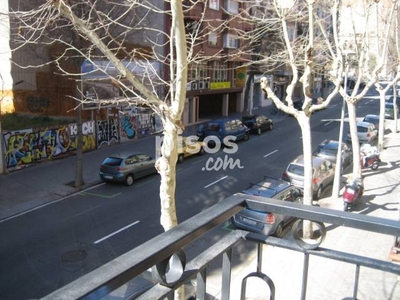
(338, 170)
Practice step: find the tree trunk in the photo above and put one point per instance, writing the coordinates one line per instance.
(166, 166)
(381, 131)
(304, 123)
(355, 143)
(247, 101)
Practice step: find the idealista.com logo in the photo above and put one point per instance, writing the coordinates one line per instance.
(191, 145)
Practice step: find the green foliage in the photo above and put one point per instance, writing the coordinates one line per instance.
(13, 121)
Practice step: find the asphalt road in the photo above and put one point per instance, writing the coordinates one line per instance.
(108, 220)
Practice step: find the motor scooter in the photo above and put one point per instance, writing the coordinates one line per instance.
(353, 191)
(369, 157)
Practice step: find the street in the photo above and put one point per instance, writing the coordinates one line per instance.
(49, 247)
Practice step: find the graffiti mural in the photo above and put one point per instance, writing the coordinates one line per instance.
(29, 146)
(88, 136)
(107, 133)
(136, 122)
(128, 126)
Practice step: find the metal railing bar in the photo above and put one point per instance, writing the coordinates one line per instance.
(198, 264)
(226, 274)
(356, 281)
(259, 256)
(322, 214)
(201, 284)
(305, 276)
(327, 253)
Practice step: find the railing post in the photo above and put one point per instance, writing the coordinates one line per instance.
(356, 280)
(201, 285)
(259, 257)
(305, 276)
(226, 274)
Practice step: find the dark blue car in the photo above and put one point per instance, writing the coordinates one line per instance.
(222, 128)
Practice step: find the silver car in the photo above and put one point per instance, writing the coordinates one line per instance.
(265, 222)
(126, 167)
(328, 149)
(323, 174)
(366, 132)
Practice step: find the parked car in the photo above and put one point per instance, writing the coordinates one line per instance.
(126, 167)
(390, 109)
(323, 174)
(328, 149)
(366, 132)
(374, 119)
(390, 100)
(188, 148)
(221, 128)
(265, 222)
(258, 123)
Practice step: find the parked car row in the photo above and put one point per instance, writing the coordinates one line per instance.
(127, 167)
(240, 129)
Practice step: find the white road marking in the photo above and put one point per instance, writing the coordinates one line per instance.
(270, 153)
(116, 232)
(327, 123)
(212, 183)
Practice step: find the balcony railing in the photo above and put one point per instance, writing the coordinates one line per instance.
(164, 253)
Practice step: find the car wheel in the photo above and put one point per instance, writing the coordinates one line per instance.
(202, 151)
(180, 158)
(279, 230)
(375, 165)
(318, 193)
(129, 180)
(271, 126)
(345, 206)
(259, 131)
(246, 136)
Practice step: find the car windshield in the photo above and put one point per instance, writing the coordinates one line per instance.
(112, 161)
(389, 105)
(362, 129)
(296, 169)
(370, 120)
(327, 151)
(213, 127)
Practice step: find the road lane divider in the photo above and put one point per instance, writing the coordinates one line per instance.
(266, 155)
(216, 181)
(100, 195)
(116, 232)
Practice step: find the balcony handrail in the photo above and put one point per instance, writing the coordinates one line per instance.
(122, 269)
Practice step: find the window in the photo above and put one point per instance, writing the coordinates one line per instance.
(214, 4)
(232, 6)
(231, 41)
(143, 157)
(131, 160)
(212, 38)
(220, 72)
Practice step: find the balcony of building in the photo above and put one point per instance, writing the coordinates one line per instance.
(215, 261)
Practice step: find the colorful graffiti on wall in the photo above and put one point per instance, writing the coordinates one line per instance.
(107, 133)
(135, 122)
(29, 146)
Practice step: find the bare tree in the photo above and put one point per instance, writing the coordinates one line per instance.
(109, 31)
(367, 69)
(294, 42)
